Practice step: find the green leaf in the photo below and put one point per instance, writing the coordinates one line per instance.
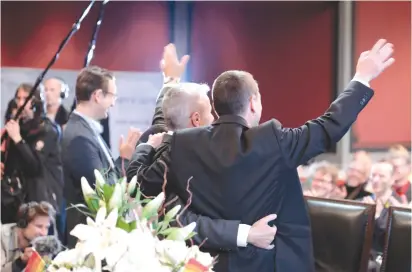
(133, 225)
(168, 231)
(121, 223)
(192, 234)
(107, 192)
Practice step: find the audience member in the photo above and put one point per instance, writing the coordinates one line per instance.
(33, 220)
(357, 176)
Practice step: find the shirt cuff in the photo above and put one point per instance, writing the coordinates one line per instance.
(242, 234)
(360, 80)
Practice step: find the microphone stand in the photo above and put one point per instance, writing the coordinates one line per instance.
(88, 58)
(74, 29)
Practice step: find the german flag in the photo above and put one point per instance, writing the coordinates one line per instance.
(195, 266)
(35, 263)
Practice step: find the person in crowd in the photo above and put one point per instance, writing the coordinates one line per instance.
(33, 220)
(83, 149)
(32, 165)
(54, 91)
(174, 104)
(401, 161)
(237, 169)
(357, 176)
(382, 179)
(324, 181)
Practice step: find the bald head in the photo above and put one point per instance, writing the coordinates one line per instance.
(187, 105)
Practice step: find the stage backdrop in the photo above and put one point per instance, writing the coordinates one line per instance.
(387, 119)
(137, 94)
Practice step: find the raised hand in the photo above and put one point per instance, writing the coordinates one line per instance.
(170, 64)
(127, 147)
(373, 62)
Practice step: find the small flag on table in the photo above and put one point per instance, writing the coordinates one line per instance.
(35, 263)
(195, 266)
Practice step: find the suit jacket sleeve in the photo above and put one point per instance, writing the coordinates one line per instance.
(149, 164)
(158, 117)
(217, 234)
(298, 145)
(84, 158)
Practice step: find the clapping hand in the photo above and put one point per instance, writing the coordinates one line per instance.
(127, 147)
(373, 62)
(170, 64)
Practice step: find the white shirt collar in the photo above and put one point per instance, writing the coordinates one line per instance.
(95, 125)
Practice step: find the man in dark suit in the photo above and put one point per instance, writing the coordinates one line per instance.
(183, 100)
(83, 149)
(239, 170)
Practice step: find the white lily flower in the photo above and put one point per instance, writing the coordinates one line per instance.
(99, 179)
(181, 234)
(86, 189)
(172, 213)
(172, 252)
(153, 206)
(123, 185)
(116, 200)
(203, 258)
(132, 185)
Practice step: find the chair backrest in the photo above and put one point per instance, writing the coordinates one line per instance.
(397, 251)
(342, 232)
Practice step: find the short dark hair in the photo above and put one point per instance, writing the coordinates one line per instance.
(89, 80)
(31, 210)
(231, 92)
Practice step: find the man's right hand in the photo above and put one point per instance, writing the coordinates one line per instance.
(170, 64)
(373, 62)
(261, 234)
(155, 139)
(26, 254)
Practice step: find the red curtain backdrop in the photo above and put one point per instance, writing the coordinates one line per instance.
(131, 37)
(287, 46)
(387, 119)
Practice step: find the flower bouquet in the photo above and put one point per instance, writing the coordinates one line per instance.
(127, 234)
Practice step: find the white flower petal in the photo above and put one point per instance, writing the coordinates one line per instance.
(101, 216)
(111, 220)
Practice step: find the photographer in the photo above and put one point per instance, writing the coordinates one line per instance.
(32, 164)
(33, 221)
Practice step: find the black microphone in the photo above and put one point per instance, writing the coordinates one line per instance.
(47, 246)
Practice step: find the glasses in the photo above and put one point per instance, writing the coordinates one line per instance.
(112, 94)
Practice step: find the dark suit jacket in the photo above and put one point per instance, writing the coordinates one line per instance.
(220, 234)
(81, 155)
(242, 173)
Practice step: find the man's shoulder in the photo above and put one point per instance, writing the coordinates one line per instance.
(8, 230)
